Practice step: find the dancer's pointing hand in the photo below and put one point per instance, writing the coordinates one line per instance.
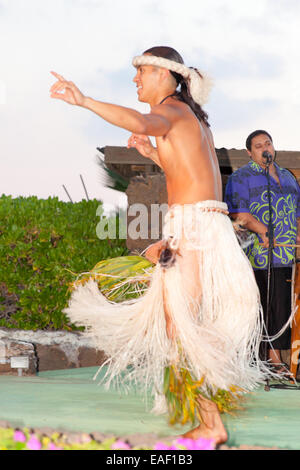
(66, 91)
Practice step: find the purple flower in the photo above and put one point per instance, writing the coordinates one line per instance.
(121, 445)
(34, 443)
(19, 436)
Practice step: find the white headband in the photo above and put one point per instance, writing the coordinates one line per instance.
(198, 86)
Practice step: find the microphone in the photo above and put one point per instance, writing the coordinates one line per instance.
(268, 156)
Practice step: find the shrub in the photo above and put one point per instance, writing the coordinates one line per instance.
(43, 245)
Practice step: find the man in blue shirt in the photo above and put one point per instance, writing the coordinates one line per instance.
(247, 199)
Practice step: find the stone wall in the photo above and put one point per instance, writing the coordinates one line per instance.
(47, 350)
(146, 190)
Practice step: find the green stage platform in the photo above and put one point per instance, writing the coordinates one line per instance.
(70, 400)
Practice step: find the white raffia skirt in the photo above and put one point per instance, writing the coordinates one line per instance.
(212, 300)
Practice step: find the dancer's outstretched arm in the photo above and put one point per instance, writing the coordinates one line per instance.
(154, 124)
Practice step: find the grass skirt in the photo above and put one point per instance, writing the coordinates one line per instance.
(214, 307)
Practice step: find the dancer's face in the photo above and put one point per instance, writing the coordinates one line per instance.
(147, 82)
(259, 144)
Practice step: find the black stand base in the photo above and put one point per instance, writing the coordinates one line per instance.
(284, 384)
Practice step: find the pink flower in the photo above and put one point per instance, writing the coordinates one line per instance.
(34, 443)
(121, 445)
(162, 446)
(189, 444)
(206, 444)
(52, 446)
(19, 436)
(195, 444)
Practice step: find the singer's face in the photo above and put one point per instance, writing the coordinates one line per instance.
(261, 143)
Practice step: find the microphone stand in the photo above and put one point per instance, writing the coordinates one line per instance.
(270, 235)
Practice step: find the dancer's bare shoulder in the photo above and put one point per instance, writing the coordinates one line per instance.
(173, 110)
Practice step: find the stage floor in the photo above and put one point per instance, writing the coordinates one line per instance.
(70, 400)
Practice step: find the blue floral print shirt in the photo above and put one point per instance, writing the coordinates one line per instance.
(246, 191)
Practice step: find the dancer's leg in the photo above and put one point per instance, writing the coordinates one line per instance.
(170, 327)
(211, 426)
(190, 280)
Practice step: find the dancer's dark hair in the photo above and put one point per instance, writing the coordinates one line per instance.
(182, 94)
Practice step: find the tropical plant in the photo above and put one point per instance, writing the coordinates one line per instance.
(44, 245)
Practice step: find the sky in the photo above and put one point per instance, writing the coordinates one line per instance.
(249, 47)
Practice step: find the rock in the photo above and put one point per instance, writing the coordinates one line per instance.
(90, 356)
(52, 358)
(10, 348)
(48, 350)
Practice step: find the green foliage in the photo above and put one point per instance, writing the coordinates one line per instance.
(182, 393)
(43, 243)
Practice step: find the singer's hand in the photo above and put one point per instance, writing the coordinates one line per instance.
(265, 239)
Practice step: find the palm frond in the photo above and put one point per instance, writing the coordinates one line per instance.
(120, 278)
(113, 179)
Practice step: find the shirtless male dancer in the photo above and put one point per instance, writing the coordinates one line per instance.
(184, 150)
